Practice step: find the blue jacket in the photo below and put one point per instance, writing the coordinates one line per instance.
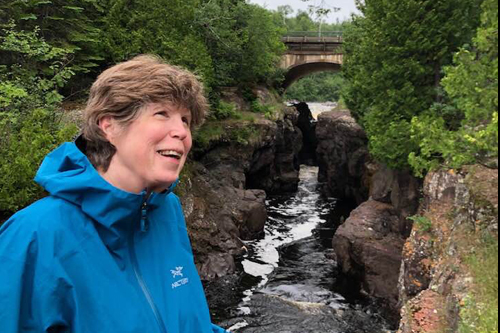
(93, 258)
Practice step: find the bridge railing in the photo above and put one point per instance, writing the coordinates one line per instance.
(314, 34)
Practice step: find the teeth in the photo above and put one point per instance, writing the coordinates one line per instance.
(171, 153)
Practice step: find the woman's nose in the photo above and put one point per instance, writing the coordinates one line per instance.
(179, 129)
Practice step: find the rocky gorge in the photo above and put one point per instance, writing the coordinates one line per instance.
(375, 250)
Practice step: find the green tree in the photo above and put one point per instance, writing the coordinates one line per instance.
(319, 87)
(163, 27)
(394, 54)
(29, 112)
(466, 132)
(73, 25)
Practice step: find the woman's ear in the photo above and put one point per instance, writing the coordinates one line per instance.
(109, 128)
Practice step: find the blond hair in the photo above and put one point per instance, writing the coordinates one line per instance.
(122, 91)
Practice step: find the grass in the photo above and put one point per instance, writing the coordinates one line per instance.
(423, 223)
(211, 131)
(480, 311)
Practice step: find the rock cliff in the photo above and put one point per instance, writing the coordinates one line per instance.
(224, 189)
(370, 242)
(458, 216)
(343, 156)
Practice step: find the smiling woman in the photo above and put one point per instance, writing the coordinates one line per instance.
(108, 250)
(151, 151)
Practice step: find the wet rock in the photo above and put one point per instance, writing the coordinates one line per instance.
(307, 125)
(369, 246)
(275, 165)
(252, 215)
(220, 211)
(223, 293)
(400, 189)
(218, 217)
(217, 265)
(343, 156)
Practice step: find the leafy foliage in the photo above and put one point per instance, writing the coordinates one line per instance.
(320, 87)
(422, 222)
(224, 111)
(29, 117)
(303, 21)
(393, 60)
(227, 43)
(480, 313)
(471, 86)
(72, 25)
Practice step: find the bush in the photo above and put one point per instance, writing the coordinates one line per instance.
(319, 87)
(29, 116)
(422, 222)
(23, 153)
(471, 87)
(267, 110)
(225, 111)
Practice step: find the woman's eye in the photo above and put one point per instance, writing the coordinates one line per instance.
(162, 113)
(186, 121)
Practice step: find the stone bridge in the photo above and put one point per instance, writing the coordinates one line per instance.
(308, 54)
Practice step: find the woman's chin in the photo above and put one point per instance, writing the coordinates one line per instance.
(164, 183)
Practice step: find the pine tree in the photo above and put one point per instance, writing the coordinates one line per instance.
(394, 55)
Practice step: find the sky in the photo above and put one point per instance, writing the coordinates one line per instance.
(347, 6)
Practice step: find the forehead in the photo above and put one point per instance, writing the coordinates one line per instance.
(167, 106)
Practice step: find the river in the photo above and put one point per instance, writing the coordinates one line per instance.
(290, 282)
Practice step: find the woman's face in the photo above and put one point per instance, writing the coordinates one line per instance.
(151, 151)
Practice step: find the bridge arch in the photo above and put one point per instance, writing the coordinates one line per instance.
(297, 72)
(307, 55)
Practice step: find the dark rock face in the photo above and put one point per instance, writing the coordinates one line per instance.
(368, 247)
(400, 189)
(224, 198)
(307, 125)
(275, 166)
(369, 244)
(343, 156)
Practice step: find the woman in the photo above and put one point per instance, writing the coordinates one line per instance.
(108, 250)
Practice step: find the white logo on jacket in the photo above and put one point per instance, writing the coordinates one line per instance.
(176, 273)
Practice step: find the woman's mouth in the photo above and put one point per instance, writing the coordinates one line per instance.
(171, 154)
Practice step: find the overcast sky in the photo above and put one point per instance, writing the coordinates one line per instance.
(347, 6)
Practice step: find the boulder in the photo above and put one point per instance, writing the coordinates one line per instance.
(217, 265)
(400, 189)
(368, 247)
(343, 156)
(252, 213)
(307, 125)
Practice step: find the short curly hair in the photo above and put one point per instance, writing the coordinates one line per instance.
(123, 91)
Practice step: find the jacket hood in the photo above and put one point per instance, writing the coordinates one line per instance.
(67, 173)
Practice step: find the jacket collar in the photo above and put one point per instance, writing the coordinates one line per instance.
(67, 173)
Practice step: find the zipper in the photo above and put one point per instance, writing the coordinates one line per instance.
(144, 216)
(138, 274)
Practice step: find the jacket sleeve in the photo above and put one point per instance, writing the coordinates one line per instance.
(28, 295)
(217, 329)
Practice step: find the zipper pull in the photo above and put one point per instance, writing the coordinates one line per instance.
(144, 217)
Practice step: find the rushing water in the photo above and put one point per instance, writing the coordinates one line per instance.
(290, 283)
(318, 108)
